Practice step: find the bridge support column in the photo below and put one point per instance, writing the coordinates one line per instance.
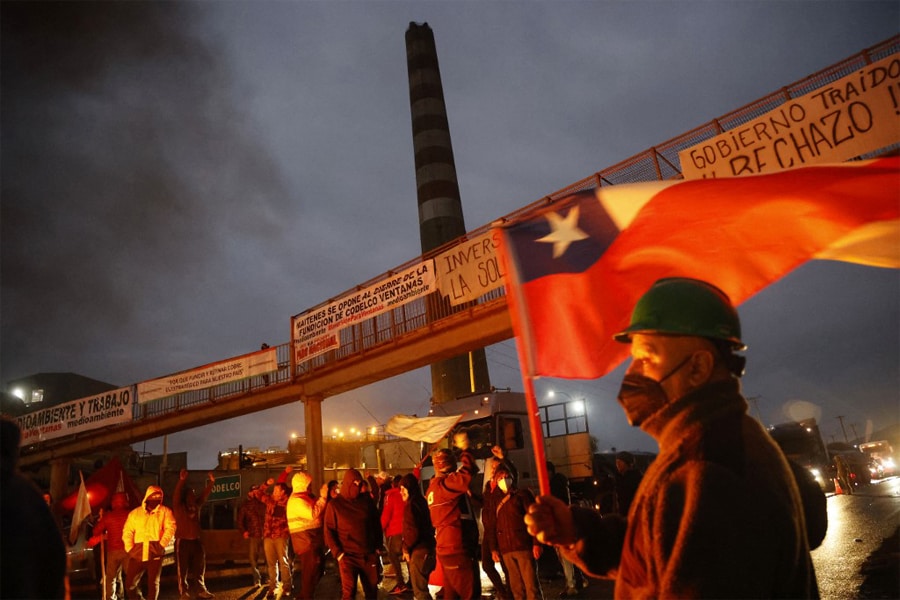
(59, 480)
(315, 454)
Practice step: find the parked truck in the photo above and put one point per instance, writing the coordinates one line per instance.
(801, 442)
(882, 456)
(501, 418)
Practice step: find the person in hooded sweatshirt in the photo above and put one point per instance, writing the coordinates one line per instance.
(148, 529)
(353, 534)
(304, 518)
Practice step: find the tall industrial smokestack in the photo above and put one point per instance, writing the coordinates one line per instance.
(440, 209)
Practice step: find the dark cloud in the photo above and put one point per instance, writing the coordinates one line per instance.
(125, 170)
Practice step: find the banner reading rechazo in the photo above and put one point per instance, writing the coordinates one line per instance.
(318, 330)
(108, 408)
(850, 117)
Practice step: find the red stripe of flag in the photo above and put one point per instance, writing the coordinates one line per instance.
(740, 234)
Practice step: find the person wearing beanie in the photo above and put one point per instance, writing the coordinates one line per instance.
(353, 534)
(304, 517)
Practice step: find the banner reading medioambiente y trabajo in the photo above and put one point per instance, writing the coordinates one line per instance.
(92, 412)
(316, 331)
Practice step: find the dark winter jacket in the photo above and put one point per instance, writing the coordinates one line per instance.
(418, 532)
(717, 515)
(492, 498)
(351, 520)
(511, 534)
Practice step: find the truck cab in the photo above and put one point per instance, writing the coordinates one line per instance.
(501, 418)
(802, 443)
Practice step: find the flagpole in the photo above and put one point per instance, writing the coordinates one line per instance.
(537, 436)
(103, 564)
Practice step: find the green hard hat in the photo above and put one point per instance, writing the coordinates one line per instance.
(683, 306)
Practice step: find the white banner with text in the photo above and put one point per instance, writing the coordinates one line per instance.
(109, 408)
(233, 369)
(855, 115)
(470, 269)
(316, 331)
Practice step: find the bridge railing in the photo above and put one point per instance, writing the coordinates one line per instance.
(658, 163)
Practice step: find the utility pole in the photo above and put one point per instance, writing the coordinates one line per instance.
(853, 428)
(841, 419)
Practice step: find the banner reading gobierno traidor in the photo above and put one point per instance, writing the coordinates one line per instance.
(233, 369)
(316, 331)
(855, 115)
(109, 408)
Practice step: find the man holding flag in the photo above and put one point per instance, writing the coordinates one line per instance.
(718, 513)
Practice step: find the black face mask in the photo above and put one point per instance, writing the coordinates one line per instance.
(152, 503)
(641, 396)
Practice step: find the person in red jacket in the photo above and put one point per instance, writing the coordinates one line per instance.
(392, 524)
(109, 527)
(448, 503)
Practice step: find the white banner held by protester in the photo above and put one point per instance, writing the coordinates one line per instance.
(82, 510)
(421, 429)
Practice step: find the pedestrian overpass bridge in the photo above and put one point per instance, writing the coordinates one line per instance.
(412, 335)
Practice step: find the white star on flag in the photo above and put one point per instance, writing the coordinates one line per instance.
(563, 232)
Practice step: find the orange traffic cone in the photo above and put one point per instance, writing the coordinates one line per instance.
(837, 487)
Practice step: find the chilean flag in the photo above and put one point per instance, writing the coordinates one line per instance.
(576, 268)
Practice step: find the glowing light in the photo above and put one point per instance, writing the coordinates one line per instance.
(19, 393)
(578, 407)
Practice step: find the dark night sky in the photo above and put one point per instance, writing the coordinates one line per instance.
(178, 179)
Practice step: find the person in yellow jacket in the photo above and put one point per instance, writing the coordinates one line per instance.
(304, 517)
(148, 529)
